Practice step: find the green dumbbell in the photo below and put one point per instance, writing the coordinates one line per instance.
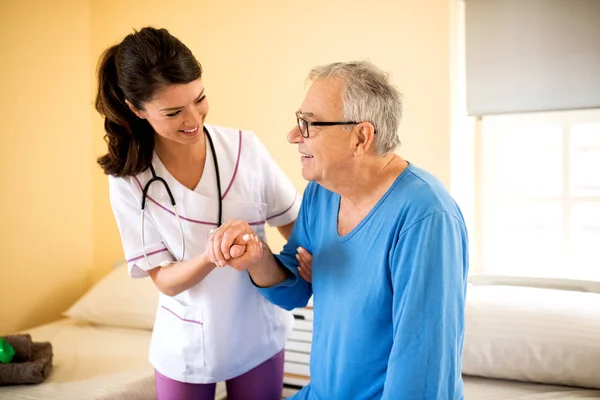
(7, 352)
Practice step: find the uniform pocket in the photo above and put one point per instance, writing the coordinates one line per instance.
(179, 332)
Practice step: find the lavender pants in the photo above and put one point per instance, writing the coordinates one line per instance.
(264, 382)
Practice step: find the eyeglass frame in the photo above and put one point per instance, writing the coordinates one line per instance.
(318, 123)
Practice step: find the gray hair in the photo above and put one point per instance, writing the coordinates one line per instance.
(367, 96)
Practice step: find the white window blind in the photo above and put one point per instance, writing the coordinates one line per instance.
(532, 55)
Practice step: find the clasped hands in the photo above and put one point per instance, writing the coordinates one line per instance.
(234, 243)
(237, 245)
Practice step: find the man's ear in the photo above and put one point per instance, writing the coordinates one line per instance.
(365, 138)
(134, 110)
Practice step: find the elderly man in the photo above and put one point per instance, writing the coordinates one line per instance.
(389, 248)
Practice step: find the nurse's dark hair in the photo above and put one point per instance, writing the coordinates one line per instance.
(136, 70)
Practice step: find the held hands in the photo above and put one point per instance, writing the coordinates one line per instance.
(235, 244)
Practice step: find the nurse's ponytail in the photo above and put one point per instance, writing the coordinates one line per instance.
(136, 69)
(130, 139)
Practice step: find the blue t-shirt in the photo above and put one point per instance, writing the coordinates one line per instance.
(389, 296)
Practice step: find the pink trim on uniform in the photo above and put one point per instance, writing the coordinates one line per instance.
(148, 254)
(194, 220)
(286, 210)
(183, 319)
(171, 212)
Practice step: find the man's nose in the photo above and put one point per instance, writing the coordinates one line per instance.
(294, 135)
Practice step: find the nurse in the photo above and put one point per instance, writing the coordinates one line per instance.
(212, 324)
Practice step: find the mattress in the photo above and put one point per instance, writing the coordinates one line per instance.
(92, 363)
(495, 389)
(101, 363)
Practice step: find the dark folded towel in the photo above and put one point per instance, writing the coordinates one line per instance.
(34, 371)
(22, 345)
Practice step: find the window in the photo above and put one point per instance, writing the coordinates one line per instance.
(538, 195)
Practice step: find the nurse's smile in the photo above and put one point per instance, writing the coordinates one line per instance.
(189, 132)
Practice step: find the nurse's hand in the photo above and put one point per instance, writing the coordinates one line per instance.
(252, 252)
(235, 244)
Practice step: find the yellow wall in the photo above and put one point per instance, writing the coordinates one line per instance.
(46, 192)
(256, 56)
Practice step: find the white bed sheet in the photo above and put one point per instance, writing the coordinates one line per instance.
(100, 363)
(495, 389)
(92, 362)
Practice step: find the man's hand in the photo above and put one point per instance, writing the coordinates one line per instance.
(305, 260)
(235, 244)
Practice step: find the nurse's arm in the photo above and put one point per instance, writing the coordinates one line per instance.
(286, 230)
(179, 277)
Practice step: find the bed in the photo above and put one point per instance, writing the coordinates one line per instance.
(531, 339)
(499, 389)
(525, 339)
(521, 342)
(91, 362)
(101, 346)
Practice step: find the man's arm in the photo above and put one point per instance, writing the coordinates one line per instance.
(293, 291)
(428, 272)
(266, 272)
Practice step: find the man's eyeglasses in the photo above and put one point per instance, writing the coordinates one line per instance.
(304, 124)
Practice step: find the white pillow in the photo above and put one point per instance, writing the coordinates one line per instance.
(529, 334)
(118, 300)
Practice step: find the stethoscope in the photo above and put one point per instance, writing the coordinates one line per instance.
(156, 178)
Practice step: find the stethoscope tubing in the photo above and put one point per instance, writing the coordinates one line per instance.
(156, 178)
